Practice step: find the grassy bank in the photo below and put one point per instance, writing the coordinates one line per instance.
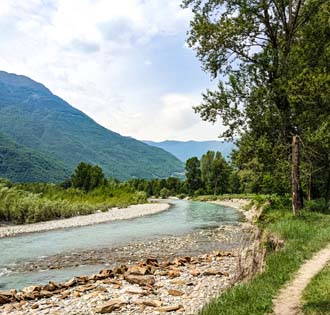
(29, 203)
(316, 297)
(303, 236)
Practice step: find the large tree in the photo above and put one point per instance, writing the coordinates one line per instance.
(215, 173)
(251, 46)
(193, 174)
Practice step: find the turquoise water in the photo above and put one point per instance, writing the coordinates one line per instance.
(183, 217)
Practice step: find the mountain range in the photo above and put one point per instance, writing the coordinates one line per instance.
(184, 150)
(43, 138)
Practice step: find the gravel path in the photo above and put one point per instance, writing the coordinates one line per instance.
(95, 218)
(288, 301)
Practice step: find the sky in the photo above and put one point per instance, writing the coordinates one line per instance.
(124, 63)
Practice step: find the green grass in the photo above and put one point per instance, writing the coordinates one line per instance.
(316, 297)
(303, 235)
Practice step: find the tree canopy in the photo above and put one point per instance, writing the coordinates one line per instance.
(271, 58)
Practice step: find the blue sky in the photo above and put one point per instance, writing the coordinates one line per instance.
(124, 63)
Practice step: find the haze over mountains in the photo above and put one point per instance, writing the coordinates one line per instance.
(184, 150)
(43, 138)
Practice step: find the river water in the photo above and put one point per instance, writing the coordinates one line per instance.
(182, 217)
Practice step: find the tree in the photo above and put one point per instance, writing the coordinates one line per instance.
(193, 175)
(250, 45)
(215, 172)
(87, 177)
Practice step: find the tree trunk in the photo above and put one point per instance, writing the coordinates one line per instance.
(297, 200)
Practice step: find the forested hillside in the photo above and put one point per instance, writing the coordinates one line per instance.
(20, 163)
(42, 122)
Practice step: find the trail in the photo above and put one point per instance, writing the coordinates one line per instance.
(289, 298)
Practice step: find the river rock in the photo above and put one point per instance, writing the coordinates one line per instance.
(140, 280)
(136, 270)
(173, 273)
(195, 272)
(166, 309)
(175, 293)
(109, 306)
(212, 272)
(151, 303)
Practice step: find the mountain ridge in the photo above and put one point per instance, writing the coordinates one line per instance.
(184, 150)
(37, 119)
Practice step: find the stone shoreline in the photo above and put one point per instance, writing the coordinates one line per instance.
(130, 212)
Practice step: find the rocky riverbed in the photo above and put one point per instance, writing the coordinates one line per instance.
(173, 274)
(226, 237)
(182, 285)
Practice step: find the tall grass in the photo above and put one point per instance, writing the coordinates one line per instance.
(28, 203)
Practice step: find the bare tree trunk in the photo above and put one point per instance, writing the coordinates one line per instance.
(297, 200)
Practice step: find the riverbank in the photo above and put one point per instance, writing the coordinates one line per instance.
(130, 212)
(151, 287)
(300, 238)
(181, 284)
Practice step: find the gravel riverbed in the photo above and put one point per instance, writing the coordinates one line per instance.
(172, 275)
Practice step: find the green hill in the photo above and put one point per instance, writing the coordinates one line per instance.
(19, 163)
(39, 121)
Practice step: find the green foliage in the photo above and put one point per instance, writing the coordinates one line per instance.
(29, 202)
(215, 173)
(317, 206)
(164, 193)
(193, 174)
(87, 177)
(19, 163)
(272, 58)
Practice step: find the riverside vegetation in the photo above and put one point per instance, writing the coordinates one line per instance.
(87, 192)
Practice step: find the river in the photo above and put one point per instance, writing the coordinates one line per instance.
(182, 217)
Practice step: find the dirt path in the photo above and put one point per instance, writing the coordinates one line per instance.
(288, 301)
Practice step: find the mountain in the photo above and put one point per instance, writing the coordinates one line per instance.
(41, 125)
(184, 150)
(21, 164)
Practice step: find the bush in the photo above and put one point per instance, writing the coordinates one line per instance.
(164, 193)
(317, 206)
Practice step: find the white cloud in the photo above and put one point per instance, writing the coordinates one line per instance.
(105, 58)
